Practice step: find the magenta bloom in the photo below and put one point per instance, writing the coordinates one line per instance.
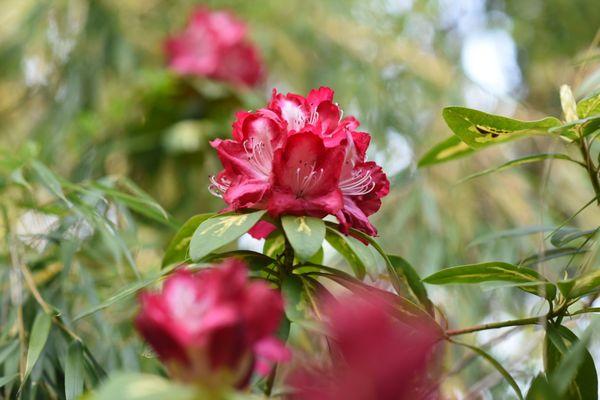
(213, 45)
(376, 355)
(299, 156)
(214, 326)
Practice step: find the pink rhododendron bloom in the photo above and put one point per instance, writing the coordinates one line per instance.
(299, 156)
(376, 355)
(214, 326)
(213, 45)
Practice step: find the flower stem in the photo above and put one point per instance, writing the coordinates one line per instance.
(496, 325)
(589, 165)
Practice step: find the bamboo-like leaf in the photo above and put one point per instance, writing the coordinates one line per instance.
(177, 251)
(520, 161)
(567, 235)
(414, 281)
(580, 286)
(74, 371)
(495, 271)
(551, 254)
(479, 129)
(220, 230)
(497, 366)
(447, 150)
(37, 340)
(510, 233)
(5, 380)
(305, 234)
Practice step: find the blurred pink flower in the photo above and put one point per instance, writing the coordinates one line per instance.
(214, 326)
(213, 45)
(376, 355)
(299, 156)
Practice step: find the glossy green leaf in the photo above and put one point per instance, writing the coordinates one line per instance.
(520, 161)
(580, 286)
(177, 251)
(37, 340)
(479, 129)
(348, 250)
(495, 271)
(220, 230)
(274, 244)
(450, 149)
(569, 365)
(497, 366)
(305, 234)
(74, 371)
(254, 260)
(540, 389)
(291, 289)
(414, 281)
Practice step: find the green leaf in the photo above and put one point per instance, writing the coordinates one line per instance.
(8, 350)
(177, 251)
(551, 254)
(291, 290)
(540, 389)
(37, 340)
(510, 233)
(74, 371)
(129, 290)
(581, 285)
(348, 250)
(520, 161)
(305, 234)
(479, 129)
(450, 149)
(569, 365)
(50, 180)
(132, 386)
(274, 244)
(495, 271)
(5, 380)
(414, 281)
(220, 230)
(589, 106)
(497, 366)
(255, 261)
(567, 235)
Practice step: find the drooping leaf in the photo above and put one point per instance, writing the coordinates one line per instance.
(220, 230)
(177, 251)
(580, 286)
(520, 161)
(74, 371)
(497, 366)
(551, 254)
(348, 251)
(569, 365)
(37, 340)
(447, 150)
(566, 235)
(495, 271)
(414, 281)
(305, 234)
(479, 129)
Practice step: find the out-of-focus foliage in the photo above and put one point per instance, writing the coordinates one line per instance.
(87, 108)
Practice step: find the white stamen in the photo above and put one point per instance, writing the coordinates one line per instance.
(307, 178)
(258, 156)
(360, 182)
(218, 187)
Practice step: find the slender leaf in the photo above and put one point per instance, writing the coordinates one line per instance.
(291, 289)
(348, 250)
(305, 234)
(5, 380)
(567, 235)
(131, 386)
(510, 233)
(74, 371)
(581, 285)
(551, 254)
(37, 340)
(495, 271)
(8, 350)
(540, 389)
(520, 161)
(413, 279)
(450, 149)
(479, 129)
(220, 230)
(177, 251)
(497, 366)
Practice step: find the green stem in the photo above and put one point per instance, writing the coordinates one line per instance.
(589, 165)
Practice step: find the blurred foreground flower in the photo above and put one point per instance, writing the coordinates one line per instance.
(376, 355)
(213, 45)
(299, 156)
(213, 327)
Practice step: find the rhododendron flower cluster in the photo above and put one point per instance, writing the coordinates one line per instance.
(215, 326)
(299, 156)
(377, 355)
(214, 45)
